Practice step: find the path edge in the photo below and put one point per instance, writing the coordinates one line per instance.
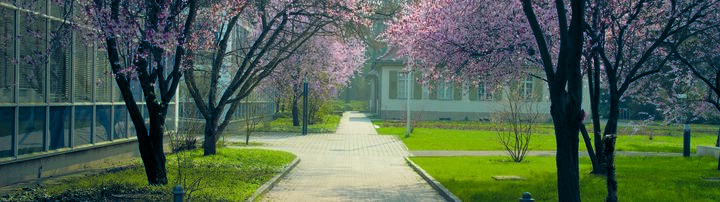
(444, 192)
(272, 182)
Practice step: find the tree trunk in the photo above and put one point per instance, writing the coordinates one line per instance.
(277, 105)
(717, 141)
(611, 184)
(609, 140)
(151, 145)
(588, 145)
(566, 161)
(295, 112)
(565, 87)
(211, 136)
(594, 88)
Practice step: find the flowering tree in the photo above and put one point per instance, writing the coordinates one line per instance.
(631, 42)
(701, 57)
(273, 32)
(142, 39)
(326, 62)
(505, 33)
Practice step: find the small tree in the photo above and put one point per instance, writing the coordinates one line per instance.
(514, 125)
(253, 116)
(258, 36)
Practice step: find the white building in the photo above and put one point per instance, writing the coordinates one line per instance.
(448, 101)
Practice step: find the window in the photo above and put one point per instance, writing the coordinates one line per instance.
(59, 77)
(484, 92)
(526, 88)
(31, 46)
(402, 86)
(82, 68)
(7, 55)
(445, 91)
(6, 134)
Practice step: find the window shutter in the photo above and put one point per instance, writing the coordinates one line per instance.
(417, 88)
(457, 91)
(538, 90)
(393, 76)
(473, 93)
(497, 93)
(103, 84)
(433, 92)
(83, 71)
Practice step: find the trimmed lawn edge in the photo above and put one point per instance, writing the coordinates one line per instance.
(272, 182)
(444, 192)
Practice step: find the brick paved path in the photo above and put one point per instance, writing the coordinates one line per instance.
(354, 164)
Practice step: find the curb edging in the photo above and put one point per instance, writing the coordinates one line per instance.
(444, 192)
(272, 182)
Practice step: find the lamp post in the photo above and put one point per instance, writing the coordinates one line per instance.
(686, 128)
(305, 107)
(408, 128)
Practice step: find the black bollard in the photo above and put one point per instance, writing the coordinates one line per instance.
(178, 194)
(686, 141)
(526, 197)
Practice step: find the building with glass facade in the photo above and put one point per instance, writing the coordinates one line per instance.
(62, 102)
(53, 98)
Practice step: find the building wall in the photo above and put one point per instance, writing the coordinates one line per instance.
(462, 108)
(67, 161)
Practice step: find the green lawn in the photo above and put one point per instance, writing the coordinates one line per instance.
(656, 128)
(328, 124)
(640, 178)
(485, 140)
(231, 175)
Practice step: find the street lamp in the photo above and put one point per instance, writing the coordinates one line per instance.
(305, 107)
(686, 129)
(408, 128)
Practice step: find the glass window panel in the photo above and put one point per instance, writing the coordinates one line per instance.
(32, 58)
(103, 83)
(59, 127)
(31, 132)
(33, 5)
(445, 91)
(136, 91)
(526, 88)
(59, 9)
(117, 95)
(170, 118)
(103, 128)
(59, 71)
(83, 121)
(6, 134)
(82, 65)
(120, 126)
(402, 85)
(7, 55)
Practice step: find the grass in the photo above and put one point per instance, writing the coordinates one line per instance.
(656, 128)
(328, 124)
(242, 144)
(482, 139)
(231, 175)
(640, 178)
(353, 105)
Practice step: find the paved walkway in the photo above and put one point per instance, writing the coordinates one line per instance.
(354, 164)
